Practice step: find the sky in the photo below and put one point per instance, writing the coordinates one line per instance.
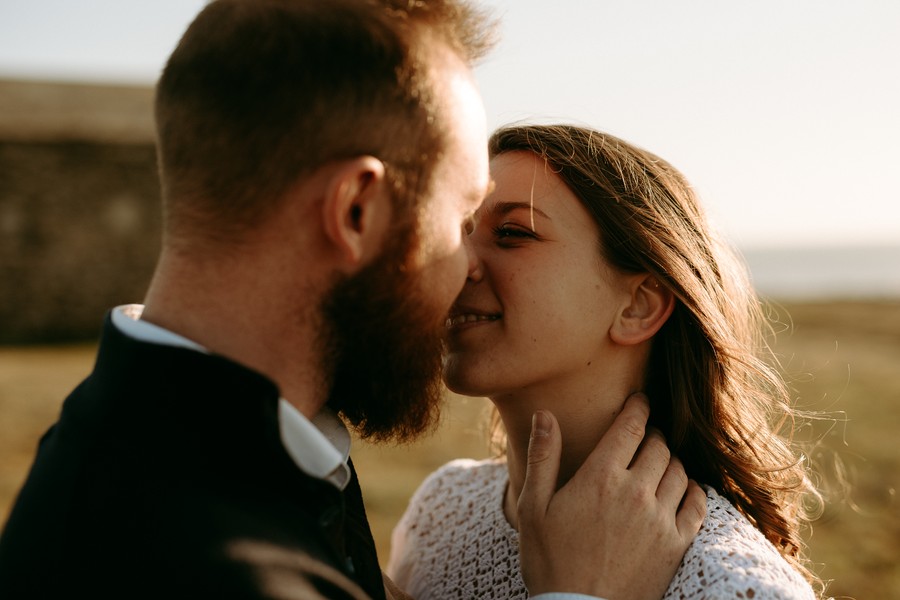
(785, 116)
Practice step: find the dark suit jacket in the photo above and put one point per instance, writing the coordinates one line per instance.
(165, 476)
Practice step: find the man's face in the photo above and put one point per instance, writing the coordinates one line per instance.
(459, 185)
(386, 324)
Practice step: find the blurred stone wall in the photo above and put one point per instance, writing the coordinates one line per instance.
(79, 207)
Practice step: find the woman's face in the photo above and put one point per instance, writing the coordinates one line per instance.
(539, 305)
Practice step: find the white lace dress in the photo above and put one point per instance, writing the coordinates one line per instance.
(454, 543)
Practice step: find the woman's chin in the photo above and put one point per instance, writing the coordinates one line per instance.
(463, 388)
(460, 380)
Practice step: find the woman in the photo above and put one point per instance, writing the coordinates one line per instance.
(597, 276)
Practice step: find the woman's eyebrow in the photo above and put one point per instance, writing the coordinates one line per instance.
(499, 209)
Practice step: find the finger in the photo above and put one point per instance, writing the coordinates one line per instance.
(620, 443)
(673, 485)
(544, 448)
(652, 458)
(692, 512)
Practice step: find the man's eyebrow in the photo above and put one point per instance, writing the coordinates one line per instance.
(480, 195)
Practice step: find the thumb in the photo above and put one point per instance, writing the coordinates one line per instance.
(544, 448)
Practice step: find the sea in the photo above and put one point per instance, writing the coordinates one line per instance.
(825, 273)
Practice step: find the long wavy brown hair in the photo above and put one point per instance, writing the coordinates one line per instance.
(713, 382)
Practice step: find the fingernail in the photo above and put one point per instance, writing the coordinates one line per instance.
(540, 424)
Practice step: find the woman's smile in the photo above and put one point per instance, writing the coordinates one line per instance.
(465, 320)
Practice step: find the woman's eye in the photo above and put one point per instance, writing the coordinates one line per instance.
(511, 232)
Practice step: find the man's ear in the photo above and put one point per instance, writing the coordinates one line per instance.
(649, 306)
(356, 208)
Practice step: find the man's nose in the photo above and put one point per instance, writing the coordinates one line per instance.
(476, 268)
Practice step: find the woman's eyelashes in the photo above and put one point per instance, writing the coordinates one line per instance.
(510, 234)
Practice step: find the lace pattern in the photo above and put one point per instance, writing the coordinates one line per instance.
(454, 543)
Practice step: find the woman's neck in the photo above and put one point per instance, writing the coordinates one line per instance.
(584, 409)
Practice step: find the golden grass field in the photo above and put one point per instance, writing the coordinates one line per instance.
(842, 358)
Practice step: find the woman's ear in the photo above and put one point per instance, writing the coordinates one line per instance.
(650, 305)
(356, 208)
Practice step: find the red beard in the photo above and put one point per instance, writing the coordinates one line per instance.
(383, 346)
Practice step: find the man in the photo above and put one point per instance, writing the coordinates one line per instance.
(319, 162)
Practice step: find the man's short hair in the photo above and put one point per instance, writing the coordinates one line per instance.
(260, 92)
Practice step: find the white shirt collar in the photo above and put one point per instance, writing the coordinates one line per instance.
(320, 447)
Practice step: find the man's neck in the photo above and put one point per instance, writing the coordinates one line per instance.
(265, 330)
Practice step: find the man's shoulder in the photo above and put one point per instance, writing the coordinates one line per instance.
(187, 537)
(101, 502)
(244, 568)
